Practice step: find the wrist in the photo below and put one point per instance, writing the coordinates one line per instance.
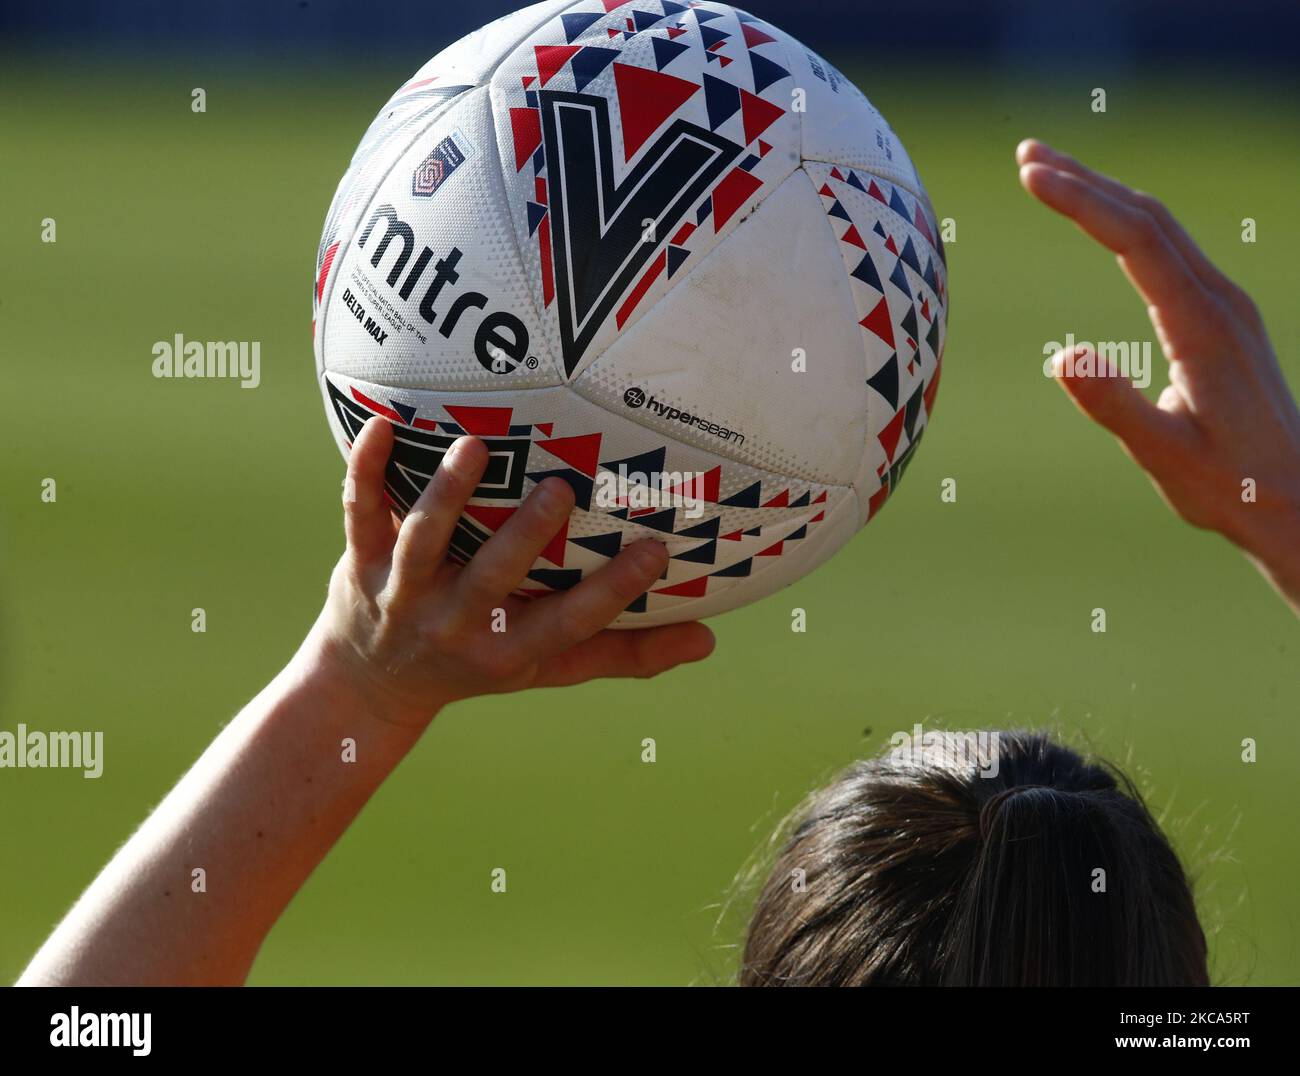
(336, 668)
(1271, 537)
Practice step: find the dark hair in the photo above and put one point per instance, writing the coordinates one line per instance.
(975, 859)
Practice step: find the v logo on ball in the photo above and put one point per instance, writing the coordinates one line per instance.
(600, 227)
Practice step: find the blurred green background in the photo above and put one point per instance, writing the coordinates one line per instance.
(175, 495)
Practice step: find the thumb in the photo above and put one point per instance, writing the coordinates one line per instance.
(1110, 399)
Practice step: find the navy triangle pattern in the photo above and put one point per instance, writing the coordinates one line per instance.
(909, 256)
(748, 497)
(929, 276)
(643, 20)
(535, 215)
(736, 571)
(932, 338)
(866, 272)
(588, 63)
(666, 51)
(765, 72)
(575, 24)
(722, 100)
(711, 36)
(885, 381)
(897, 204)
(651, 462)
(899, 279)
(607, 545)
(556, 578)
(708, 529)
(908, 323)
(659, 521)
(704, 553)
(913, 409)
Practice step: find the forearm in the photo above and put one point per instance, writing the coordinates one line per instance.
(1280, 564)
(1269, 535)
(256, 813)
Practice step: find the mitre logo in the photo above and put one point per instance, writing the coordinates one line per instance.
(599, 226)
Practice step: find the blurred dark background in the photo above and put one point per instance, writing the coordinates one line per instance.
(1103, 34)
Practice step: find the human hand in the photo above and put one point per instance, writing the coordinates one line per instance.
(413, 631)
(1227, 421)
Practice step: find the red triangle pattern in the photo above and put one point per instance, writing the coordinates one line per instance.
(582, 453)
(692, 588)
(526, 126)
(481, 421)
(888, 437)
(706, 485)
(851, 236)
(645, 100)
(880, 323)
(550, 58)
(758, 114)
(731, 194)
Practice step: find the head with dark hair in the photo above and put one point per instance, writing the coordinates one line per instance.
(976, 859)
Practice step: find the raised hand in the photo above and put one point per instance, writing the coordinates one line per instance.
(1222, 444)
(417, 631)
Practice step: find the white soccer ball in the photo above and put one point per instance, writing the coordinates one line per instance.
(661, 250)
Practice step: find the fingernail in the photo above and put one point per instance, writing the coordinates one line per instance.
(459, 459)
(650, 558)
(552, 499)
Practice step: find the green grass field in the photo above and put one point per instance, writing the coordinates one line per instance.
(176, 495)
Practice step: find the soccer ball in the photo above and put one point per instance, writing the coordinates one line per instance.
(660, 250)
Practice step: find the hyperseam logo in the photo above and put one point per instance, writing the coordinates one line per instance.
(635, 397)
(437, 167)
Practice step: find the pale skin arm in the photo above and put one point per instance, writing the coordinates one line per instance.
(1227, 414)
(403, 633)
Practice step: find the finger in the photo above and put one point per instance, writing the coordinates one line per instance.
(505, 559)
(367, 518)
(426, 531)
(1033, 151)
(1155, 268)
(557, 623)
(642, 652)
(1151, 435)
